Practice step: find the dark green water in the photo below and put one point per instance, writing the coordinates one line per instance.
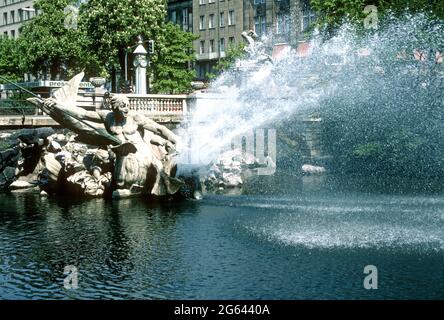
(309, 244)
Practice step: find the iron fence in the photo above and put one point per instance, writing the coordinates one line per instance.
(11, 107)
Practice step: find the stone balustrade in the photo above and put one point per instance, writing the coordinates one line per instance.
(158, 105)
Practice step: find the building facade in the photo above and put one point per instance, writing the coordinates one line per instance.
(220, 23)
(180, 12)
(284, 21)
(13, 14)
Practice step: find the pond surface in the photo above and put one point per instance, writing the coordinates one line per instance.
(296, 245)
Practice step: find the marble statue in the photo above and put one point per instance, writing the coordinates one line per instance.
(143, 150)
(255, 48)
(249, 37)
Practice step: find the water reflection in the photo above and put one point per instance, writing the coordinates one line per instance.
(293, 245)
(40, 236)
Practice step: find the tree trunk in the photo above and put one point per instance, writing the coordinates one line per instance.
(55, 70)
(113, 80)
(122, 59)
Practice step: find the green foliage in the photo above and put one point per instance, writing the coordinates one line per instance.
(10, 59)
(233, 53)
(172, 71)
(390, 120)
(106, 29)
(113, 25)
(332, 13)
(46, 43)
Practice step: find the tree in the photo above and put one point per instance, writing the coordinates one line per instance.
(332, 13)
(9, 59)
(113, 25)
(172, 71)
(385, 120)
(48, 44)
(227, 62)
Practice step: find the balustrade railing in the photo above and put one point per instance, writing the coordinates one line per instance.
(164, 105)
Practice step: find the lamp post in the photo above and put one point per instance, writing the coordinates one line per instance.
(140, 63)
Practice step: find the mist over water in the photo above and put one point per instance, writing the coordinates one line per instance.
(393, 77)
(305, 246)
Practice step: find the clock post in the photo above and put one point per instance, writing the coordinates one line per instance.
(140, 63)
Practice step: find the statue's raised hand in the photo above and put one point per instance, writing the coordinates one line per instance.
(49, 103)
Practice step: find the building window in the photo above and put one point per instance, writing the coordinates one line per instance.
(282, 24)
(27, 14)
(231, 18)
(260, 25)
(211, 21)
(231, 40)
(5, 18)
(211, 48)
(222, 19)
(202, 47)
(12, 17)
(210, 1)
(222, 45)
(174, 17)
(13, 34)
(202, 22)
(256, 2)
(202, 71)
(185, 19)
(308, 15)
(201, 1)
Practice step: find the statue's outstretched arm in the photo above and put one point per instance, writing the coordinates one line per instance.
(156, 128)
(158, 140)
(80, 113)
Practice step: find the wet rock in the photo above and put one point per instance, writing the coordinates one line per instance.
(7, 177)
(197, 195)
(231, 179)
(54, 147)
(49, 177)
(60, 138)
(18, 184)
(229, 171)
(32, 136)
(4, 136)
(84, 183)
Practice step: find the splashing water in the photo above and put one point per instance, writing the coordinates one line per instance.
(344, 71)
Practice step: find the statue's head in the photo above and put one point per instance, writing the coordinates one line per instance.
(252, 34)
(119, 103)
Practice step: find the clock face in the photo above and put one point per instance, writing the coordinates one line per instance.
(140, 61)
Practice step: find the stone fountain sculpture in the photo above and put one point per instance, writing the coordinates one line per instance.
(255, 48)
(139, 154)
